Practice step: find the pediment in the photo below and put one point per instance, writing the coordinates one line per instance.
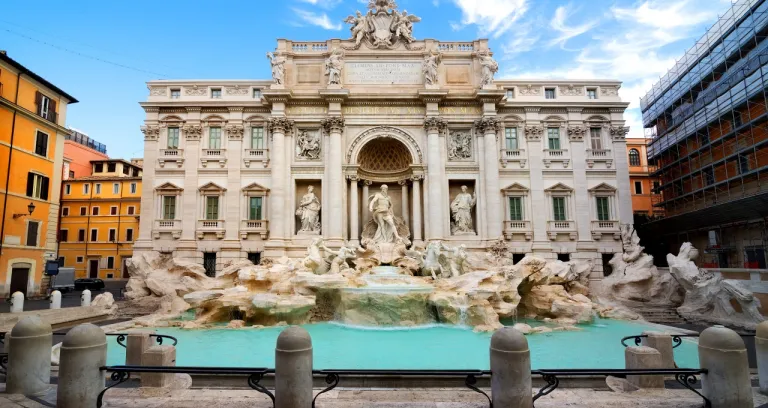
(212, 187)
(255, 188)
(168, 187)
(603, 187)
(515, 188)
(558, 187)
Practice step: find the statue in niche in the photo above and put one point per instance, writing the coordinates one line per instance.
(459, 146)
(333, 66)
(429, 68)
(278, 67)
(380, 207)
(489, 68)
(308, 145)
(461, 210)
(309, 213)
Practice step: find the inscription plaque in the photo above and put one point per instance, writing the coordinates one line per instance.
(383, 73)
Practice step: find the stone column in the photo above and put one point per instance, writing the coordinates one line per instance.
(510, 369)
(624, 194)
(582, 205)
(29, 357)
(416, 208)
(404, 201)
(723, 354)
(366, 197)
(278, 197)
(489, 127)
(151, 149)
(232, 213)
(354, 210)
(83, 353)
(188, 208)
(435, 170)
(293, 369)
(334, 125)
(539, 205)
(761, 352)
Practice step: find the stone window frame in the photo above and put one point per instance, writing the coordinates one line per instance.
(516, 122)
(210, 190)
(603, 190)
(254, 190)
(213, 121)
(560, 190)
(168, 189)
(598, 121)
(169, 122)
(257, 122)
(555, 121)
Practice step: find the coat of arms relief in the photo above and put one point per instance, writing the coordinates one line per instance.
(383, 26)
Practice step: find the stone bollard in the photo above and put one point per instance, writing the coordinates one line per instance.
(17, 302)
(163, 356)
(85, 298)
(55, 299)
(761, 351)
(642, 358)
(663, 343)
(727, 383)
(293, 369)
(29, 357)
(136, 345)
(83, 353)
(510, 369)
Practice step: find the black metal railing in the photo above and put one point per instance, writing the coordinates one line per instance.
(121, 374)
(677, 339)
(333, 377)
(4, 363)
(158, 338)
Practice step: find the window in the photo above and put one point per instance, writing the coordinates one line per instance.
(65, 211)
(549, 93)
(603, 211)
(638, 187)
(131, 210)
(709, 176)
(175, 93)
(591, 93)
(63, 235)
(129, 235)
(112, 235)
(596, 138)
(83, 211)
(110, 262)
(111, 167)
(515, 208)
(558, 207)
(97, 188)
(126, 169)
(46, 107)
(98, 168)
(257, 138)
(510, 138)
(81, 236)
(37, 186)
(68, 189)
(737, 119)
(510, 93)
(133, 188)
(173, 137)
(209, 263)
(169, 207)
(215, 93)
(115, 188)
(113, 210)
(553, 136)
(212, 208)
(656, 187)
(94, 235)
(95, 210)
(32, 228)
(79, 259)
(214, 138)
(41, 144)
(71, 174)
(634, 157)
(743, 164)
(254, 208)
(703, 139)
(256, 93)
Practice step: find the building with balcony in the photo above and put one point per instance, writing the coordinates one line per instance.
(708, 121)
(642, 184)
(100, 219)
(32, 131)
(79, 150)
(229, 162)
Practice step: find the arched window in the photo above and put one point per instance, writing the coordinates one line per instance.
(634, 157)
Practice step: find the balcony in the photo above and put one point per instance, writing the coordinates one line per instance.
(172, 227)
(555, 228)
(556, 156)
(599, 156)
(260, 227)
(256, 155)
(513, 155)
(174, 156)
(215, 156)
(605, 227)
(518, 227)
(210, 226)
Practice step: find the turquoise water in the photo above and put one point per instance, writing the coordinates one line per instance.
(436, 347)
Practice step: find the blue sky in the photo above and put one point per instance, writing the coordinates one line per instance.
(66, 41)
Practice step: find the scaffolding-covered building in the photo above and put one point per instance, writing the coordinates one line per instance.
(708, 120)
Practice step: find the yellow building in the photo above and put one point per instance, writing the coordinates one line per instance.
(32, 118)
(100, 219)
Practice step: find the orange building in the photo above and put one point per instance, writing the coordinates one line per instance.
(79, 151)
(32, 117)
(641, 182)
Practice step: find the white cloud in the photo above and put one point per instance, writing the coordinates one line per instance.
(567, 32)
(522, 38)
(326, 4)
(493, 17)
(665, 14)
(316, 19)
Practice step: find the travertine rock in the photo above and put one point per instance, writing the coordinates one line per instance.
(105, 300)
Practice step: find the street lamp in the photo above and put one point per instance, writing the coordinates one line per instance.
(30, 208)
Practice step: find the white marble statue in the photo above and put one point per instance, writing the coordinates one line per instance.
(333, 66)
(457, 256)
(432, 265)
(278, 68)
(459, 146)
(360, 26)
(429, 68)
(309, 213)
(340, 259)
(708, 296)
(308, 145)
(383, 26)
(461, 212)
(402, 25)
(380, 207)
(490, 68)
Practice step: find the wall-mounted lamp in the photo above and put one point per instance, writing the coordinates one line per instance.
(30, 208)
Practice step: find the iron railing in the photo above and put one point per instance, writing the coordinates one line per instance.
(4, 363)
(677, 339)
(158, 338)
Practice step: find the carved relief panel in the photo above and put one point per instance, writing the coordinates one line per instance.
(308, 144)
(459, 145)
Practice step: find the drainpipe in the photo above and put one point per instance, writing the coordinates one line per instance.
(117, 233)
(8, 170)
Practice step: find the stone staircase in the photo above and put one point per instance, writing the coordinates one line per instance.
(661, 315)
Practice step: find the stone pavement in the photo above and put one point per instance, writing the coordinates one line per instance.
(58, 318)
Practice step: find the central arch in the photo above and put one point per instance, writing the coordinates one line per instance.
(384, 132)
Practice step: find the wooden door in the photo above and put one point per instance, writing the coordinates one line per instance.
(93, 268)
(19, 279)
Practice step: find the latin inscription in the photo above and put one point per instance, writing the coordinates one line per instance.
(384, 110)
(383, 73)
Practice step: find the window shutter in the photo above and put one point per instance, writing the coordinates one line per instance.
(103, 263)
(52, 106)
(32, 233)
(39, 102)
(44, 189)
(30, 184)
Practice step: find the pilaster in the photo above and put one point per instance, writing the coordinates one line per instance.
(435, 172)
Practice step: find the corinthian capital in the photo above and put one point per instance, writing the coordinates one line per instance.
(435, 124)
(151, 132)
(487, 125)
(280, 125)
(192, 132)
(333, 124)
(235, 131)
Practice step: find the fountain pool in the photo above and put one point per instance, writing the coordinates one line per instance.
(432, 347)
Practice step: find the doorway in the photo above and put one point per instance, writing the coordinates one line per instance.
(125, 275)
(93, 268)
(19, 280)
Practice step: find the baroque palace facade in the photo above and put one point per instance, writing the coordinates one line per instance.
(245, 168)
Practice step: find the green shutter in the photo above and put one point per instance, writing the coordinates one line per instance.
(212, 208)
(558, 205)
(169, 208)
(214, 138)
(553, 135)
(173, 138)
(603, 213)
(511, 138)
(254, 208)
(257, 138)
(515, 209)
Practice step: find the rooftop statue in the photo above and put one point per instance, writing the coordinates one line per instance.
(333, 66)
(278, 67)
(383, 26)
(490, 68)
